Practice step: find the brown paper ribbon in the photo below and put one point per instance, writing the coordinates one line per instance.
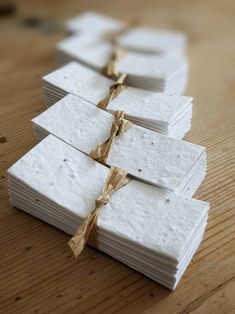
(86, 233)
(114, 91)
(119, 126)
(110, 69)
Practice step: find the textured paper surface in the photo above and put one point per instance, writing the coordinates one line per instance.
(93, 22)
(138, 38)
(159, 268)
(158, 220)
(153, 41)
(143, 153)
(94, 53)
(81, 81)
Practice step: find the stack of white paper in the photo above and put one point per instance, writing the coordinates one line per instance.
(153, 231)
(167, 114)
(154, 158)
(140, 39)
(151, 72)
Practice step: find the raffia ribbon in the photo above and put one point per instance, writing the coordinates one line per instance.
(86, 233)
(114, 91)
(119, 126)
(110, 69)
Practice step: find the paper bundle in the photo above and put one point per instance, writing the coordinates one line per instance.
(151, 72)
(167, 114)
(154, 158)
(130, 37)
(153, 231)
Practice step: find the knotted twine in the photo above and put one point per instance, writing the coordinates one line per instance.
(114, 91)
(86, 232)
(110, 69)
(119, 126)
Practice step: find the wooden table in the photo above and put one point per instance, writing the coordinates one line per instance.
(38, 273)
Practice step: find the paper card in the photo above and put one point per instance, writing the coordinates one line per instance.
(136, 38)
(89, 51)
(81, 81)
(158, 221)
(92, 22)
(145, 154)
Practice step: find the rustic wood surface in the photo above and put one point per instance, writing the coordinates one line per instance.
(38, 273)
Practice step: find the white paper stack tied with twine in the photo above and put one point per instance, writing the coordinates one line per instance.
(167, 114)
(149, 156)
(116, 184)
(133, 38)
(154, 231)
(164, 73)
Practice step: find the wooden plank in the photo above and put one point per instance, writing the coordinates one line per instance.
(38, 272)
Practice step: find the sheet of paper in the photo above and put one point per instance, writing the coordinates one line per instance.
(158, 236)
(137, 38)
(145, 154)
(96, 54)
(152, 72)
(166, 114)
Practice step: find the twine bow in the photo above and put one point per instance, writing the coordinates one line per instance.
(114, 91)
(119, 126)
(116, 178)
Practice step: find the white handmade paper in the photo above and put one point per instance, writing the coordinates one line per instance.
(95, 54)
(136, 38)
(164, 113)
(164, 73)
(160, 221)
(92, 22)
(145, 154)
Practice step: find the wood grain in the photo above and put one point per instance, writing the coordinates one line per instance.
(38, 273)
